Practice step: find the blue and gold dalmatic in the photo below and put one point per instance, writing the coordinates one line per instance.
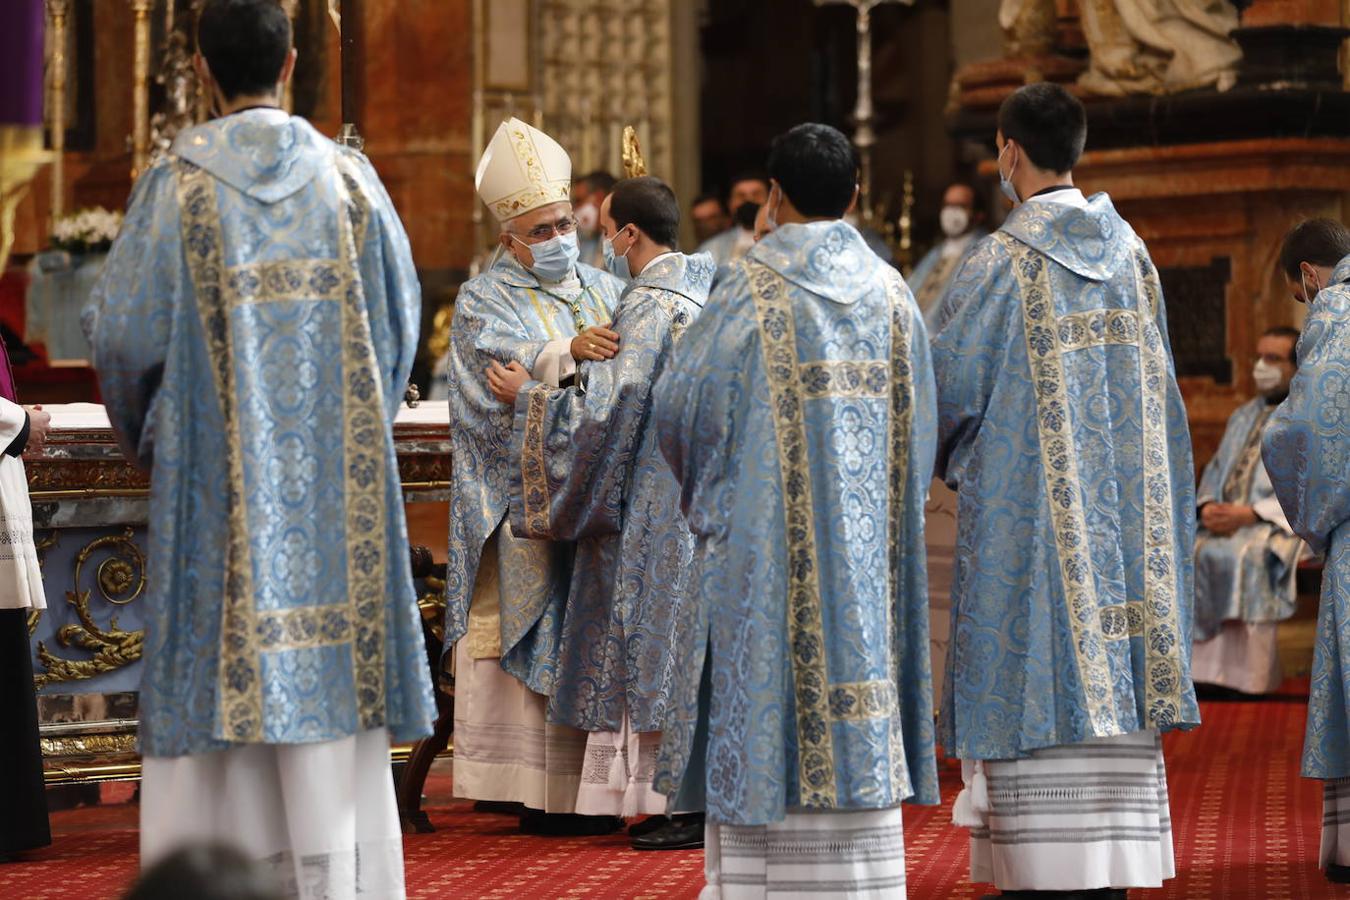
(1307, 452)
(589, 469)
(798, 417)
(253, 333)
(1063, 432)
(506, 314)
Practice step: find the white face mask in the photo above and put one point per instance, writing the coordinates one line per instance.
(1005, 181)
(1309, 296)
(954, 220)
(1267, 376)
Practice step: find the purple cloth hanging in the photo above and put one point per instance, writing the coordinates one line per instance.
(7, 388)
(21, 23)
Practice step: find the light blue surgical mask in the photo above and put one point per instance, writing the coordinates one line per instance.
(555, 257)
(1004, 182)
(616, 264)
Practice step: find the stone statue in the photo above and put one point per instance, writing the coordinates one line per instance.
(1158, 46)
(1028, 27)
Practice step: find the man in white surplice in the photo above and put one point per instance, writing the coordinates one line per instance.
(1246, 555)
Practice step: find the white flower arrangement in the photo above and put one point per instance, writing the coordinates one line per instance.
(86, 231)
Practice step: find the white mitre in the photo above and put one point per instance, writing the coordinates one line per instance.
(522, 169)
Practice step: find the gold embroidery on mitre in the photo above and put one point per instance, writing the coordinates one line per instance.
(539, 189)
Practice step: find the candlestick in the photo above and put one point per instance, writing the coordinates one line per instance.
(140, 98)
(57, 12)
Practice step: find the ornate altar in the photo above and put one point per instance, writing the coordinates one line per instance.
(89, 515)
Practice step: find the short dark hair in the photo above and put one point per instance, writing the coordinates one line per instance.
(245, 43)
(205, 872)
(1047, 122)
(715, 198)
(648, 203)
(1286, 331)
(748, 175)
(1321, 242)
(816, 168)
(599, 180)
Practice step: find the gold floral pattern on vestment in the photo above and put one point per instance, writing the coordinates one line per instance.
(858, 700)
(359, 623)
(1098, 328)
(846, 378)
(806, 630)
(533, 476)
(1059, 465)
(364, 483)
(1161, 625)
(239, 677)
(901, 379)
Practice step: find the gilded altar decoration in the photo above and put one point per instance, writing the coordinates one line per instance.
(182, 92)
(119, 579)
(634, 166)
(140, 96)
(21, 156)
(58, 16)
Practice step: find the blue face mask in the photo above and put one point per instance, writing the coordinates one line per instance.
(1004, 183)
(616, 264)
(555, 257)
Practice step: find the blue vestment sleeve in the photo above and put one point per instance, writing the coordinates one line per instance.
(911, 620)
(131, 310)
(967, 353)
(575, 447)
(696, 396)
(1306, 445)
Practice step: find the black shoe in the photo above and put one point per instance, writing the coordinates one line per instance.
(682, 832)
(499, 807)
(1338, 874)
(647, 826)
(567, 824)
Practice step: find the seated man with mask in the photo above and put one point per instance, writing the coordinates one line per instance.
(538, 307)
(588, 469)
(1246, 554)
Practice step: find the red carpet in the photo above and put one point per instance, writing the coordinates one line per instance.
(1246, 827)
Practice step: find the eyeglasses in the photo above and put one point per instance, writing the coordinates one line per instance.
(544, 232)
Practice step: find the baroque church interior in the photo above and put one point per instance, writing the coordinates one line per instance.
(1214, 127)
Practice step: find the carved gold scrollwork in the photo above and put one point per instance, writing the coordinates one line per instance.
(432, 605)
(120, 579)
(42, 545)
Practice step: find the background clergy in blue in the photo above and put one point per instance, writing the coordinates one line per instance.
(798, 418)
(1307, 452)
